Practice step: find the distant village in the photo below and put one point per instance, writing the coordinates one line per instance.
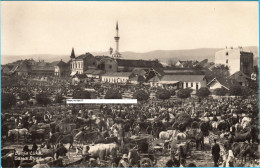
(115, 69)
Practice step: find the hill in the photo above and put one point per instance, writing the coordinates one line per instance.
(165, 56)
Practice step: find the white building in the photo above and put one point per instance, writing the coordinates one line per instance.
(116, 77)
(236, 60)
(194, 82)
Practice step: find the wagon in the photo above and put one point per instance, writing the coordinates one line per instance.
(149, 158)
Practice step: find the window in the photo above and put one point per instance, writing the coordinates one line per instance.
(227, 61)
(187, 84)
(226, 53)
(191, 84)
(110, 66)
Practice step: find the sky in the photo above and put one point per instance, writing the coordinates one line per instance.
(55, 27)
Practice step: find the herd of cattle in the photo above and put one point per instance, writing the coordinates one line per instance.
(106, 138)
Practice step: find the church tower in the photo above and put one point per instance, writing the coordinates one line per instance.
(116, 54)
(72, 54)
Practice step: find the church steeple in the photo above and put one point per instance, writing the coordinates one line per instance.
(72, 53)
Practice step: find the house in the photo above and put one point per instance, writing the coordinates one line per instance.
(125, 65)
(21, 69)
(81, 63)
(241, 78)
(137, 79)
(5, 69)
(154, 75)
(77, 78)
(184, 64)
(108, 64)
(61, 69)
(116, 77)
(92, 73)
(42, 68)
(221, 83)
(194, 82)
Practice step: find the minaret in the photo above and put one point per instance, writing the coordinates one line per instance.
(116, 53)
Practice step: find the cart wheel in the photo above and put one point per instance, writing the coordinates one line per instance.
(146, 162)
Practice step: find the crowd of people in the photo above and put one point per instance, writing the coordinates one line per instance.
(149, 117)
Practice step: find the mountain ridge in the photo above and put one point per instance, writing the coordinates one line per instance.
(166, 56)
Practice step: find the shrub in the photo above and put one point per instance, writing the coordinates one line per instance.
(141, 95)
(163, 94)
(113, 94)
(221, 91)
(8, 100)
(183, 93)
(203, 92)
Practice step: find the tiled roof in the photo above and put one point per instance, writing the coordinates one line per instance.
(154, 79)
(119, 74)
(42, 68)
(62, 64)
(138, 78)
(183, 78)
(84, 56)
(227, 83)
(138, 63)
(238, 75)
(93, 72)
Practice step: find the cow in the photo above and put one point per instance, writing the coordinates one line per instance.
(167, 135)
(101, 151)
(38, 134)
(44, 160)
(181, 136)
(66, 139)
(18, 132)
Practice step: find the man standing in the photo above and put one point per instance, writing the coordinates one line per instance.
(215, 153)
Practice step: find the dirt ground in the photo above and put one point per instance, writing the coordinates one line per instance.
(198, 157)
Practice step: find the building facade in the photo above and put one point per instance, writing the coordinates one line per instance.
(236, 60)
(116, 77)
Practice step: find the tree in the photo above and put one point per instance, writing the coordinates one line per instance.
(113, 94)
(220, 71)
(221, 91)
(235, 90)
(183, 120)
(81, 94)
(42, 98)
(163, 94)
(173, 92)
(24, 96)
(203, 92)
(8, 100)
(141, 95)
(183, 93)
(58, 98)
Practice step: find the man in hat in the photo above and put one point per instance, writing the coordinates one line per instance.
(215, 153)
(124, 161)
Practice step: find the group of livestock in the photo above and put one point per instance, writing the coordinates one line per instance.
(174, 128)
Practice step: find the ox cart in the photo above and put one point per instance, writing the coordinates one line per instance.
(143, 142)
